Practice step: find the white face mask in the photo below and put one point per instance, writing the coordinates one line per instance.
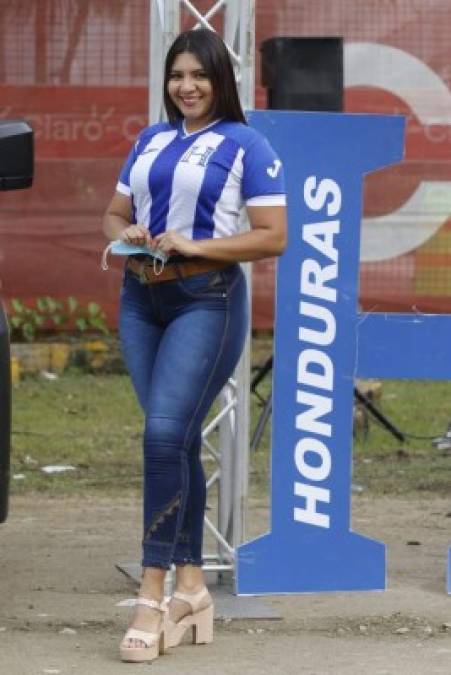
(119, 247)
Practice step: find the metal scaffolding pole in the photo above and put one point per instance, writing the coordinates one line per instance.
(231, 423)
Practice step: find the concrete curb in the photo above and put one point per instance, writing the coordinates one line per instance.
(99, 355)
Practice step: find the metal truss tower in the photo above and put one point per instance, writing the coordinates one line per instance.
(226, 438)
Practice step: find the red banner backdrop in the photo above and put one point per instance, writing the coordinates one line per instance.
(50, 236)
(78, 74)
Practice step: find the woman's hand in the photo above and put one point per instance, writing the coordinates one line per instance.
(138, 235)
(171, 242)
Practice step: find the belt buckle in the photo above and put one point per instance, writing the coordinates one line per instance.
(143, 279)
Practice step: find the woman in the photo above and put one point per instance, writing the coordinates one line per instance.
(182, 330)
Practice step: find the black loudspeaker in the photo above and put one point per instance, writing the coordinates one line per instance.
(5, 415)
(16, 171)
(16, 155)
(303, 73)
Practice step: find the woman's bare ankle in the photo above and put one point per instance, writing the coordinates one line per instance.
(189, 589)
(189, 579)
(152, 583)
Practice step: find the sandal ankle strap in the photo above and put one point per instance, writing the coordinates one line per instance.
(193, 599)
(153, 604)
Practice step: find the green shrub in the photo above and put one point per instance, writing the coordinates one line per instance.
(29, 322)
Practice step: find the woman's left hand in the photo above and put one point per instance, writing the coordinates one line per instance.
(172, 242)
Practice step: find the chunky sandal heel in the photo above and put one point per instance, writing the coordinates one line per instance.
(200, 620)
(203, 626)
(162, 645)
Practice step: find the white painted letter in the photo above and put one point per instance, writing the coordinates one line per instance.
(315, 473)
(313, 278)
(327, 336)
(326, 186)
(324, 379)
(321, 237)
(308, 420)
(312, 495)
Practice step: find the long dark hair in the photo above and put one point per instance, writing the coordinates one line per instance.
(212, 54)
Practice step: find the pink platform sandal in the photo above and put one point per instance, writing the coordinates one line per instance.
(200, 620)
(154, 642)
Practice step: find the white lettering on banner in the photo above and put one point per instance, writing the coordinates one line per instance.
(309, 514)
(315, 473)
(317, 312)
(314, 277)
(318, 406)
(315, 369)
(326, 187)
(312, 235)
(313, 357)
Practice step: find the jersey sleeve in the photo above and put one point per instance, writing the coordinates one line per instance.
(263, 179)
(123, 184)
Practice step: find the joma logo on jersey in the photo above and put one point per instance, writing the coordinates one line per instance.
(274, 169)
(198, 155)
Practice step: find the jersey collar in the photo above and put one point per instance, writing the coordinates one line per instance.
(187, 134)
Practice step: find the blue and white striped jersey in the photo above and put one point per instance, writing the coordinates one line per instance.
(197, 183)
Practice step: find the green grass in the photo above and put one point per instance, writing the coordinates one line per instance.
(93, 422)
(89, 421)
(384, 464)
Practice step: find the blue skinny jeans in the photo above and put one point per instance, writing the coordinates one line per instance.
(181, 341)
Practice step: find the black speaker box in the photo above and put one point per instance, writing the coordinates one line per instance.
(5, 415)
(303, 73)
(16, 155)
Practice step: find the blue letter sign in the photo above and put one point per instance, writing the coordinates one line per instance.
(321, 345)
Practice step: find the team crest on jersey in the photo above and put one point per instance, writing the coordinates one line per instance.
(198, 155)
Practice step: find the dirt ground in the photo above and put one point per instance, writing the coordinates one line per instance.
(59, 588)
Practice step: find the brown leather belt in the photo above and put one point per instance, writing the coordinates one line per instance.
(175, 270)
